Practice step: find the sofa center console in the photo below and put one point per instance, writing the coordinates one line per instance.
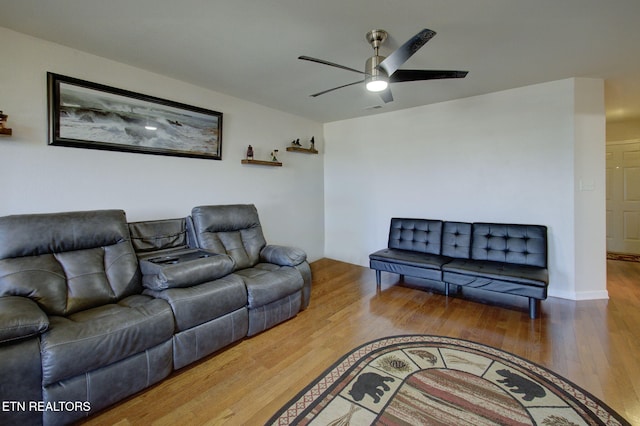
(172, 259)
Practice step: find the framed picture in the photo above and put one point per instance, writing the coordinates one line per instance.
(89, 115)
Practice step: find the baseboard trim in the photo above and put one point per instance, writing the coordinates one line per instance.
(582, 295)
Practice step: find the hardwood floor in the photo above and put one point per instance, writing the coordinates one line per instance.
(595, 344)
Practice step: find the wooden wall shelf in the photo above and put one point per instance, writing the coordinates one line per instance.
(262, 163)
(6, 132)
(298, 149)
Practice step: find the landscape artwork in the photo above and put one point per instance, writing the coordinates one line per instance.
(89, 115)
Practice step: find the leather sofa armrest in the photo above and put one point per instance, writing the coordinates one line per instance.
(20, 317)
(282, 255)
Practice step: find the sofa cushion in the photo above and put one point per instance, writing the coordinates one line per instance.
(420, 235)
(456, 239)
(267, 282)
(521, 244)
(97, 337)
(410, 258)
(68, 262)
(230, 229)
(36, 234)
(521, 274)
(184, 268)
(198, 304)
(20, 317)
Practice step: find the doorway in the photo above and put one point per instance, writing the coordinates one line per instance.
(623, 197)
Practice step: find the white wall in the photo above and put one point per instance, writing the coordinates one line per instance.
(513, 156)
(36, 177)
(502, 157)
(590, 190)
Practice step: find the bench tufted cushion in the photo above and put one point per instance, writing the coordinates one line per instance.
(418, 235)
(519, 244)
(456, 240)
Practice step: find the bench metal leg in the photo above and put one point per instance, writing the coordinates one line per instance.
(378, 278)
(533, 308)
(446, 289)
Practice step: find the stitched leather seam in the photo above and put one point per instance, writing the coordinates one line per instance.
(34, 270)
(115, 260)
(125, 327)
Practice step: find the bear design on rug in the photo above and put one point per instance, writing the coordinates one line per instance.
(370, 384)
(519, 384)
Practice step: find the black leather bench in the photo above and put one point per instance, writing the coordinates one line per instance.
(504, 258)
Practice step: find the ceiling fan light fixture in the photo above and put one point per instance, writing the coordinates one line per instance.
(377, 84)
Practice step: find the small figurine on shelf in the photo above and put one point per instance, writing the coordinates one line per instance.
(296, 142)
(250, 153)
(274, 155)
(3, 121)
(313, 144)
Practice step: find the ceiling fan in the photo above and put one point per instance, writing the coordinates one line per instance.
(379, 71)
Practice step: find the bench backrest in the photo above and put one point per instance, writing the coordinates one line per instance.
(456, 240)
(421, 235)
(511, 243)
(520, 244)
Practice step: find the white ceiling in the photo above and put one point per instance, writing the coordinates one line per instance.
(249, 48)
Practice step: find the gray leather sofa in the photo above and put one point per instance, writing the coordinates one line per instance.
(496, 257)
(94, 309)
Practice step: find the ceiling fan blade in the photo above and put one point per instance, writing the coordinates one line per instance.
(386, 96)
(336, 88)
(417, 75)
(331, 64)
(404, 52)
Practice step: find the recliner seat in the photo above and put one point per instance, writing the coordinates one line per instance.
(278, 278)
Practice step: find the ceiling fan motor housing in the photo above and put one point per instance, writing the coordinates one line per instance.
(371, 69)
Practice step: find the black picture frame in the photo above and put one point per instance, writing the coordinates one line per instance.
(83, 114)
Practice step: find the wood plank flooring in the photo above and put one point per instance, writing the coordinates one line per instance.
(595, 344)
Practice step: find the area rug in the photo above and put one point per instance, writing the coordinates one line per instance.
(627, 257)
(432, 380)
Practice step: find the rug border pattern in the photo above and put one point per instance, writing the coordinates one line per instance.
(300, 405)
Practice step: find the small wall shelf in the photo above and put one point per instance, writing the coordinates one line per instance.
(298, 149)
(5, 132)
(262, 163)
